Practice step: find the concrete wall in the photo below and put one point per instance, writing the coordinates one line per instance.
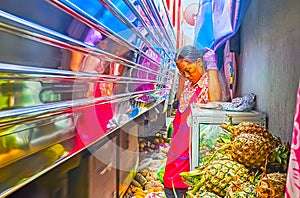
(270, 61)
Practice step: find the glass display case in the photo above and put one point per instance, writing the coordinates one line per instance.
(206, 128)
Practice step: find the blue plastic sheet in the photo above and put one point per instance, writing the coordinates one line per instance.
(218, 20)
(101, 15)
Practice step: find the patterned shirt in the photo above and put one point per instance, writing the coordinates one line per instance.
(189, 89)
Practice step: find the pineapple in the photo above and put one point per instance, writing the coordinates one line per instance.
(251, 150)
(208, 195)
(217, 176)
(253, 128)
(251, 144)
(271, 185)
(228, 126)
(218, 155)
(241, 190)
(202, 194)
(197, 194)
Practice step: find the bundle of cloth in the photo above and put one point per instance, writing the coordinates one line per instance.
(245, 103)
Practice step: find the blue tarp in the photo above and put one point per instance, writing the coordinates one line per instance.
(218, 20)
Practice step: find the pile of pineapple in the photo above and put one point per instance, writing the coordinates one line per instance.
(249, 162)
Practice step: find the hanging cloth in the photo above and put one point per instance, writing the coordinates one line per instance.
(217, 21)
(293, 177)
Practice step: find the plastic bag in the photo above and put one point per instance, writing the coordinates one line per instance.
(160, 173)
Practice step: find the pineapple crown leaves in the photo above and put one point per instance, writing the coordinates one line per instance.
(224, 137)
(228, 127)
(198, 185)
(225, 147)
(192, 178)
(190, 195)
(195, 179)
(193, 173)
(281, 155)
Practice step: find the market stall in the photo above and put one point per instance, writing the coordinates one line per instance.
(85, 87)
(79, 83)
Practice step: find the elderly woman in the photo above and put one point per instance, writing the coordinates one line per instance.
(198, 82)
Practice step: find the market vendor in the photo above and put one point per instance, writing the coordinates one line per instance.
(198, 82)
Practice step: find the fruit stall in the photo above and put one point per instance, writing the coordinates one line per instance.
(88, 96)
(80, 84)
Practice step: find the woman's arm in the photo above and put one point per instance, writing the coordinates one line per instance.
(180, 86)
(214, 87)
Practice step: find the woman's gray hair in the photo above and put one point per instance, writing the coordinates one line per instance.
(190, 53)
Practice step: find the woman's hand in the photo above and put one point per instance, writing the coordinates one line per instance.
(210, 59)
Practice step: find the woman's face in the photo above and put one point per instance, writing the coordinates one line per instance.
(190, 70)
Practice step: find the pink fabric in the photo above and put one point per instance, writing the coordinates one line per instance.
(178, 155)
(93, 121)
(293, 177)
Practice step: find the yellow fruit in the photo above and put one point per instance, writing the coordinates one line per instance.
(272, 185)
(10, 156)
(54, 152)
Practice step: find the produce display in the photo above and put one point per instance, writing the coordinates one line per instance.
(152, 144)
(147, 182)
(236, 161)
(144, 183)
(247, 161)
